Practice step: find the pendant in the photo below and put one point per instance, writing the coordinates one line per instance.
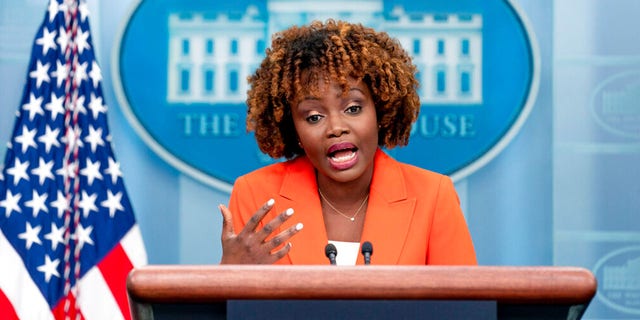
(352, 219)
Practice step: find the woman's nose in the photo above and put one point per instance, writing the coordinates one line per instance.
(336, 125)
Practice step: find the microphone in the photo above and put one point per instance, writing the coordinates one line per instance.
(367, 251)
(331, 252)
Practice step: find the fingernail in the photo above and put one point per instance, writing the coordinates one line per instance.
(289, 212)
(299, 226)
(290, 245)
(270, 202)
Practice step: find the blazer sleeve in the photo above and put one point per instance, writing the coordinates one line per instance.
(449, 241)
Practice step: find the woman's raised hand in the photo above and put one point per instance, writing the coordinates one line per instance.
(251, 246)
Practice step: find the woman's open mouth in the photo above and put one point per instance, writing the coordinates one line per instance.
(343, 155)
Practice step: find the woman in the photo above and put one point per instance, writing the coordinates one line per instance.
(327, 97)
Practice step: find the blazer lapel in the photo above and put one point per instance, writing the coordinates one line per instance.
(299, 192)
(386, 226)
(389, 212)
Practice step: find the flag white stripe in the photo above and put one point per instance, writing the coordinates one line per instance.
(134, 247)
(21, 291)
(97, 302)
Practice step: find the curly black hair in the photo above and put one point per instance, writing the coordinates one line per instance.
(338, 50)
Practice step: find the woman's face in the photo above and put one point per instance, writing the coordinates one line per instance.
(339, 133)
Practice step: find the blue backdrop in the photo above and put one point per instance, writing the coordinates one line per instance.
(564, 191)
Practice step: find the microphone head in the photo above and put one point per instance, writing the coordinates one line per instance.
(367, 247)
(330, 249)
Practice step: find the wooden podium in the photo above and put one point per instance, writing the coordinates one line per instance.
(203, 292)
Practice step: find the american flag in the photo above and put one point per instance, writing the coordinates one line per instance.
(68, 236)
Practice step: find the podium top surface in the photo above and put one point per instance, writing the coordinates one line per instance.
(510, 285)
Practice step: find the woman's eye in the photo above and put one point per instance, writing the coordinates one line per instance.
(354, 109)
(313, 118)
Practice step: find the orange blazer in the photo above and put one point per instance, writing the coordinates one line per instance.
(413, 216)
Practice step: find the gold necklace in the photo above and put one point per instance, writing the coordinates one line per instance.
(352, 218)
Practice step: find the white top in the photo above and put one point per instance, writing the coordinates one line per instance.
(347, 252)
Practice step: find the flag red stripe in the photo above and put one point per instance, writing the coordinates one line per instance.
(115, 268)
(6, 309)
(59, 310)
